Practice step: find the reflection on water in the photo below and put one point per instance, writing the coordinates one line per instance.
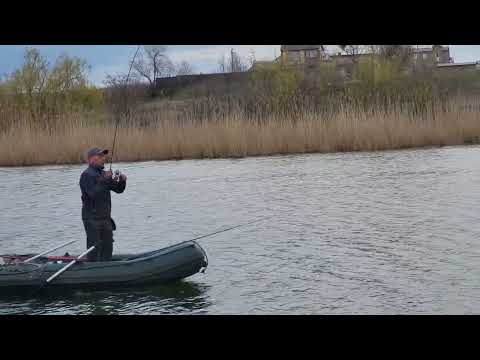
(376, 233)
(183, 297)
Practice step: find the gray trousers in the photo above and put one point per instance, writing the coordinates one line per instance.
(99, 233)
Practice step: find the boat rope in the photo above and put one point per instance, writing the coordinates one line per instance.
(126, 109)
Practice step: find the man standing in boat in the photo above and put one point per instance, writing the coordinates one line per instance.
(96, 184)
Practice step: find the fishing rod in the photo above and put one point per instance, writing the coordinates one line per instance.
(126, 108)
(224, 230)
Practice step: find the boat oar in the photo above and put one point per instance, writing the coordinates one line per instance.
(65, 268)
(68, 266)
(48, 251)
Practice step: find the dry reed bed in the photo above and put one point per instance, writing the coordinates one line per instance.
(236, 136)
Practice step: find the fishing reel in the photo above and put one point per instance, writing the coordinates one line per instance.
(116, 176)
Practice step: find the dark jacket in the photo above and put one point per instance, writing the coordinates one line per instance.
(97, 203)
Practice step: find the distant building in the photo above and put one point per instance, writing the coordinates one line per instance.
(301, 54)
(428, 58)
(317, 65)
(437, 54)
(310, 54)
(422, 58)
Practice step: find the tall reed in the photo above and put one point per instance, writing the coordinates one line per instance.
(170, 132)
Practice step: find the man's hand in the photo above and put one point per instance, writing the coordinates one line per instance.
(105, 178)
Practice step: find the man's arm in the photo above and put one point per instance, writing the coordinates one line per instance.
(93, 186)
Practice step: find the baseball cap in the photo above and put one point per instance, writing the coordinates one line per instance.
(97, 151)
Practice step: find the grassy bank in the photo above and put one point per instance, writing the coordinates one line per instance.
(350, 128)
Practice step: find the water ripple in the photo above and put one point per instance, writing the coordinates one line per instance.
(382, 233)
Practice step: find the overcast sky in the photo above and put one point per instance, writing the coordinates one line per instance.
(108, 59)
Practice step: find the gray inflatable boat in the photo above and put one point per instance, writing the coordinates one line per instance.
(156, 267)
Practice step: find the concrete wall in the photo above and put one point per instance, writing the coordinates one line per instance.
(203, 84)
(441, 54)
(458, 69)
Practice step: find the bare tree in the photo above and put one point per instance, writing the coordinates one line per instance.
(232, 63)
(40, 87)
(252, 58)
(31, 79)
(401, 53)
(398, 51)
(352, 50)
(237, 63)
(222, 65)
(184, 68)
(67, 74)
(123, 94)
(4, 82)
(153, 63)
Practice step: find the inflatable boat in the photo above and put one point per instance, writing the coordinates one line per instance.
(169, 264)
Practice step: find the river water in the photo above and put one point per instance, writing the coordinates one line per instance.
(393, 232)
